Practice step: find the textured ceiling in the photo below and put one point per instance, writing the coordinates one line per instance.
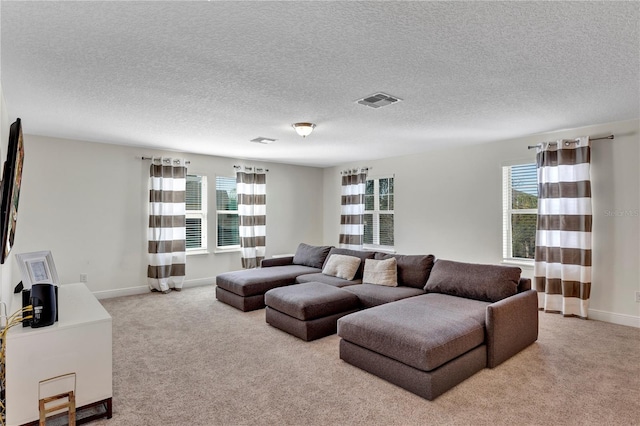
(206, 77)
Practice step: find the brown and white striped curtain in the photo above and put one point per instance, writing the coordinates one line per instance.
(562, 268)
(251, 187)
(352, 209)
(167, 229)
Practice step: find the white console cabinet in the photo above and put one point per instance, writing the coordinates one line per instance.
(80, 343)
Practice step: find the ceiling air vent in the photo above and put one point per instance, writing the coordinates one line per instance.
(263, 140)
(378, 100)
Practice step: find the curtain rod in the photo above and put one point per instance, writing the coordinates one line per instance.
(249, 168)
(166, 160)
(355, 170)
(572, 140)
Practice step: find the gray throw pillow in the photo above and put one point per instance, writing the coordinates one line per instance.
(488, 283)
(313, 256)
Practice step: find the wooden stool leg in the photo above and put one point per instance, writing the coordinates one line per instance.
(43, 419)
(72, 409)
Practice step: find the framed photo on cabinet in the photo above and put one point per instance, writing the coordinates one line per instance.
(37, 268)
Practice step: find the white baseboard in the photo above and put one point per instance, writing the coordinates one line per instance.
(130, 291)
(621, 319)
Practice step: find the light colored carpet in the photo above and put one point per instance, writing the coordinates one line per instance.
(186, 359)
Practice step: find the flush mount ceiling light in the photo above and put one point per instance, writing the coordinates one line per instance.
(303, 129)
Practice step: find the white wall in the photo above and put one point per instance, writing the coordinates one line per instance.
(87, 203)
(449, 203)
(7, 267)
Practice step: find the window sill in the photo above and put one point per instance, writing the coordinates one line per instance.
(197, 252)
(219, 250)
(389, 250)
(527, 264)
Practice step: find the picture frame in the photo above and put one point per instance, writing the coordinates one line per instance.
(37, 268)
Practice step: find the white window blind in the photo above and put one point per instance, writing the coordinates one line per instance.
(378, 213)
(196, 212)
(228, 236)
(520, 211)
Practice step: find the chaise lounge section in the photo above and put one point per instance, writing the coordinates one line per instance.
(245, 289)
(471, 317)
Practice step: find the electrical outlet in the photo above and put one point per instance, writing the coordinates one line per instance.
(83, 278)
(637, 296)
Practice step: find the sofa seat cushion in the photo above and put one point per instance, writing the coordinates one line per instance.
(309, 301)
(422, 331)
(373, 295)
(251, 282)
(326, 279)
(475, 309)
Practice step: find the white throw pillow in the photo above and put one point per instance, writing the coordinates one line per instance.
(342, 266)
(381, 272)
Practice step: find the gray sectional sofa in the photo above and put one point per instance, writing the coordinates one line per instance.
(421, 324)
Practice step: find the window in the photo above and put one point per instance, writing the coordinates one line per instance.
(520, 211)
(378, 213)
(227, 213)
(196, 214)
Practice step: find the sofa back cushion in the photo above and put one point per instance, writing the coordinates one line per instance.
(488, 283)
(313, 256)
(357, 253)
(413, 270)
(380, 272)
(341, 266)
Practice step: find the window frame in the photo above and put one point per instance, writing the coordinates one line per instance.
(199, 214)
(233, 247)
(376, 246)
(508, 212)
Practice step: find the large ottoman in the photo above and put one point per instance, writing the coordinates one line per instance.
(309, 310)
